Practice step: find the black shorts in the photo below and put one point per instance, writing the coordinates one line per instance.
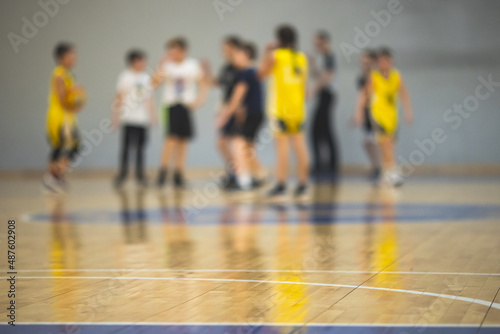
(178, 121)
(65, 146)
(250, 126)
(228, 129)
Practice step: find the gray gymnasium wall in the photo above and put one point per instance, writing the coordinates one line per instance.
(441, 47)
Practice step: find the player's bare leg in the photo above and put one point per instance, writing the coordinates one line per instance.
(169, 147)
(300, 148)
(180, 162)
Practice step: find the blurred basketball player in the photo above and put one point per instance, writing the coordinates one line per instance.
(368, 62)
(62, 129)
(323, 137)
(185, 91)
(246, 96)
(226, 81)
(288, 69)
(383, 87)
(134, 109)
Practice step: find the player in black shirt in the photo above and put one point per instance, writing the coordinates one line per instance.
(322, 132)
(226, 82)
(367, 62)
(246, 96)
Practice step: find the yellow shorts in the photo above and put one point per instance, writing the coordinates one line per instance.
(286, 127)
(63, 140)
(384, 124)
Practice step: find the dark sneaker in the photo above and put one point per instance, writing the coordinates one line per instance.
(300, 191)
(228, 182)
(279, 190)
(375, 174)
(179, 181)
(232, 186)
(258, 183)
(162, 178)
(232, 182)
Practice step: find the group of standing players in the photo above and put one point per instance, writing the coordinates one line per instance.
(186, 82)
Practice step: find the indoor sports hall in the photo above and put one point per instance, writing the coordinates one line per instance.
(249, 166)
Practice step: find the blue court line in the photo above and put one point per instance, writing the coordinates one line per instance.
(239, 329)
(319, 213)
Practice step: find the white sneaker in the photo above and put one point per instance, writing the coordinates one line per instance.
(394, 178)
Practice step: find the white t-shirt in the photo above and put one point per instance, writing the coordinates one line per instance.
(136, 89)
(181, 81)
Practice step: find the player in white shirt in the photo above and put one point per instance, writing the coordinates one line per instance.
(134, 110)
(185, 91)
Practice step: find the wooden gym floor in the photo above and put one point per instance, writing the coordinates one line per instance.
(351, 259)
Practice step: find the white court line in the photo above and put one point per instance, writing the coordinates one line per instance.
(432, 294)
(262, 271)
(255, 324)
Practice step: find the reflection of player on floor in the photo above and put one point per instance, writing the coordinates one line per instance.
(65, 99)
(287, 68)
(323, 136)
(367, 62)
(185, 91)
(247, 94)
(226, 82)
(383, 86)
(134, 108)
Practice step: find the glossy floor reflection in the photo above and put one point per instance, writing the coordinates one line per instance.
(352, 259)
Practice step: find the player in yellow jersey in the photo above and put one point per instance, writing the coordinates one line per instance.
(61, 120)
(288, 71)
(383, 88)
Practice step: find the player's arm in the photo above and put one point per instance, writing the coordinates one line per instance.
(314, 70)
(325, 76)
(119, 101)
(62, 92)
(405, 100)
(159, 76)
(235, 102)
(153, 116)
(267, 63)
(324, 79)
(207, 69)
(116, 109)
(203, 88)
(364, 93)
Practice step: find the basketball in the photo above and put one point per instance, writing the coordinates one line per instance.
(76, 98)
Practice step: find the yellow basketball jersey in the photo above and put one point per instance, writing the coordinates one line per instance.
(287, 88)
(57, 116)
(384, 99)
